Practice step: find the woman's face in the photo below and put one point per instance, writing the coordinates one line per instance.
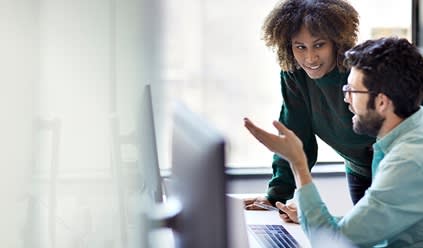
(316, 55)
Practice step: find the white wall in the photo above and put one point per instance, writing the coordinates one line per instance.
(18, 73)
(70, 69)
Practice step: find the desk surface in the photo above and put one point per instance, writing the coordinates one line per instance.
(264, 217)
(164, 238)
(272, 218)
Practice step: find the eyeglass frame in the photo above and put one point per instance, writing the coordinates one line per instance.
(347, 91)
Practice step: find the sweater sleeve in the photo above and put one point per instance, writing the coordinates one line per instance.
(295, 115)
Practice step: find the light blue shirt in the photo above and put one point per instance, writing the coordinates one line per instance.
(391, 211)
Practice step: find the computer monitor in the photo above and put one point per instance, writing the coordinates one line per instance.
(198, 172)
(417, 23)
(151, 169)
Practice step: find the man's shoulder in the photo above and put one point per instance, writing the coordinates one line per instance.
(408, 147)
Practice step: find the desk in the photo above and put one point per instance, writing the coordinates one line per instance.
(238, 219)
(259, 217)
(272, 217)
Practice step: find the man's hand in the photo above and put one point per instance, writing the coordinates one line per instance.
(249, 203)
(287, 145)
(289, 212)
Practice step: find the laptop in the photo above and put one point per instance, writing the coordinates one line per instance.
(261, 229)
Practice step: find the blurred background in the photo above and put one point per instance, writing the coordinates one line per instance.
(72, 83)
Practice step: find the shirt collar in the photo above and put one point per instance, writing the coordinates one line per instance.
(409, 123)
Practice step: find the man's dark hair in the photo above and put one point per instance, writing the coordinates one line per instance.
(392, 66)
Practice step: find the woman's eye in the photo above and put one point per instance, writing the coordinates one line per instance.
(319, 45)
(300, 47)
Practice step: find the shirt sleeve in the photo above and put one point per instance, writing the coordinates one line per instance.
(295, 115)
(391, 201)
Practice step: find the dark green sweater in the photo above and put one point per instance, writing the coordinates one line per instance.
(316, 107)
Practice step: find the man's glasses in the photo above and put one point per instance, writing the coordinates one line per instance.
(348, 91)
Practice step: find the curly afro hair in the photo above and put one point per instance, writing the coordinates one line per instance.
(335, 20)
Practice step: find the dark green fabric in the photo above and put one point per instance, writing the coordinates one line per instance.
(316, 107)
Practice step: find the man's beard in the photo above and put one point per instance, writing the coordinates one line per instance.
(368, 124)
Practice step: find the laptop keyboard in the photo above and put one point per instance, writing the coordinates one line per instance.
(270, 236)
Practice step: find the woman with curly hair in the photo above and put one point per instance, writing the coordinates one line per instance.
(310, 38)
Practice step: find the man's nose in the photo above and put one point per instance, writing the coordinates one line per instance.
(347, 98)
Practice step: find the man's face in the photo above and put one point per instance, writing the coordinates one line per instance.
(365, 120)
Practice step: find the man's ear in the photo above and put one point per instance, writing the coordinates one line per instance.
(383, 103)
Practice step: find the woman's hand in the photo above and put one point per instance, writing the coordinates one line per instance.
(249, 203)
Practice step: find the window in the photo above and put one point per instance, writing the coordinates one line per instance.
(216, 62)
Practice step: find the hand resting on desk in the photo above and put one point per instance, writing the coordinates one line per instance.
(249, 202)
(287, 213)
